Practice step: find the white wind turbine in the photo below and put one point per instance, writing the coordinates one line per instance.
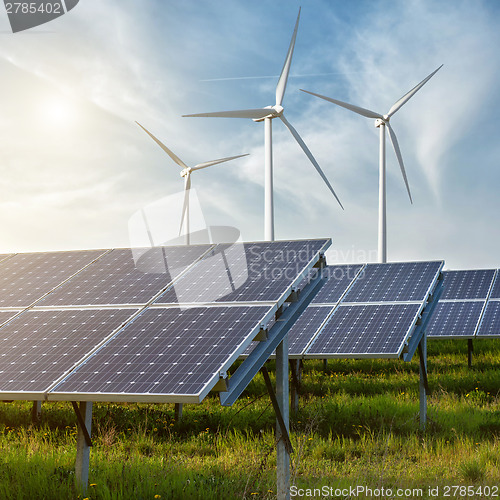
(186, 173)
(266, 115)
(382, 121)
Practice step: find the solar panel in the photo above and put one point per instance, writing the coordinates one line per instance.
(455, 319)
(394, 295)
(473, 284)
(261, 272)
(490, 323)
(166, 352)
(39, 346)
(338, 278)
(495, 291)
(116, 278)
(404, 281)
(25, 278)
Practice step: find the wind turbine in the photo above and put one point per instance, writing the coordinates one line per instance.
(186, 173)
(266, 115)
(381, 122)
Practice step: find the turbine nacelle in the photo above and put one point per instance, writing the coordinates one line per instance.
(185, 172)
(275, 112)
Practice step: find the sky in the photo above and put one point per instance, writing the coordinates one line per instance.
(75, 167)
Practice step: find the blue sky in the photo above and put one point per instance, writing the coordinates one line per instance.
(75, 166)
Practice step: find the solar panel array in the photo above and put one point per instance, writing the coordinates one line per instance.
(367, 310)
(468, 307)
(151, 325)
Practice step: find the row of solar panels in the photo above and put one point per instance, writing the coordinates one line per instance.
(95, 326)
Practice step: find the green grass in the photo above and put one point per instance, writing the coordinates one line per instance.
(358, 424)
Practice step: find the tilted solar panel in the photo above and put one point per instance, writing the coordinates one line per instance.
(490, 323)
(403, 281)
(249, 272)
(473, 284)
(38, 347)
(365, 330)
(116, 278)
(26, 277)
(166, 352)
(455, 319)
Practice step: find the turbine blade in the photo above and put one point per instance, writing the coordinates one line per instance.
(187, 187)
(162, 146)
(356, 109)
(240, 113)
(215, 162)
(411, 93)
(395, 145)
(308, 153)
(281, 87)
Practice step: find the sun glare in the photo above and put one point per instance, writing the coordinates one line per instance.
(57, 112)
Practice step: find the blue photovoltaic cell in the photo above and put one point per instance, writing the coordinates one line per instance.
(305, 327)
(119, 277)
(167, 351)
(490, 324)
(365, 331)
(38, 347)
(338, 280)
(495, 292)
(404, 281)
(246, 272)
(460, 285)
(26, 277)
(455, 319)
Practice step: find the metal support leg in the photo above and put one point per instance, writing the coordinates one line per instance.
(282, 453)
(470, 350)
(296, 369)
(325, 364)
(178, 411)
(36, 412)
(83, 442)
(423, 384)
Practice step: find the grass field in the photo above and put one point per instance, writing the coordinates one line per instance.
(358, 425)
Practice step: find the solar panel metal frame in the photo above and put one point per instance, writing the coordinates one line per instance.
(306, 353)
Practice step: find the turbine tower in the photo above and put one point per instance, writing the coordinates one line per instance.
(381, 122)
(266, 115)
(186, 173)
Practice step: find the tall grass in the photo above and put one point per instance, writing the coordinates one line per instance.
(357, 425)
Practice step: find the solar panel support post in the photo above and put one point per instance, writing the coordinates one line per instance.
(423, 383)
(296, 371)
(83, 442)
(178, 412)
(36, 412)
(470, 350)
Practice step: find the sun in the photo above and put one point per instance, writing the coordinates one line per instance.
(58, 111)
